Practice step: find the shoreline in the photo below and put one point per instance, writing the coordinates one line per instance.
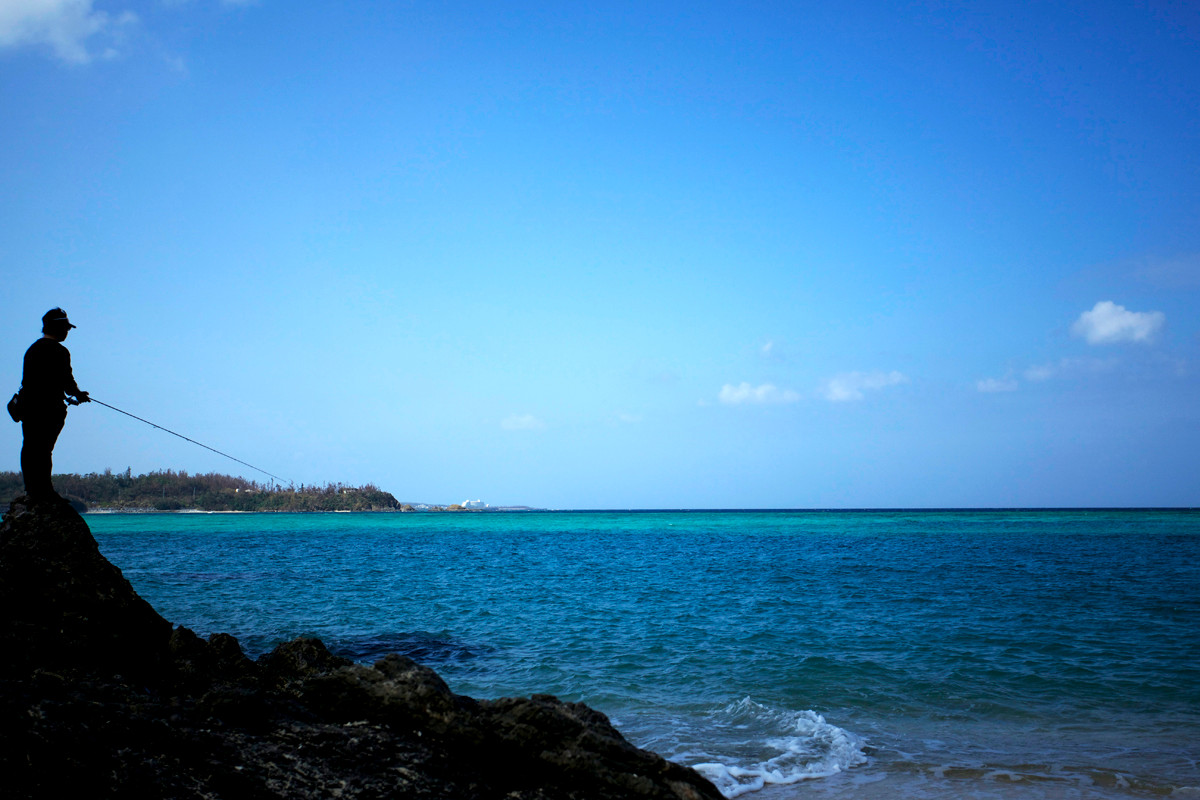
(108, 698)
(529, 510)
(114, 511)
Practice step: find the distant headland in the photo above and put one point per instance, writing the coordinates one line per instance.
(168, 490)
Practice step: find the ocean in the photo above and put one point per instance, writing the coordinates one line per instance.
(784, 654)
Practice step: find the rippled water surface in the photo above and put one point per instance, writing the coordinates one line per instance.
(1049, 654)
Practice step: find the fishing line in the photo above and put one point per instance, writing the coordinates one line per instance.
(193, 441)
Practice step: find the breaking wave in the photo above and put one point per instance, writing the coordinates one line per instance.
(764, 746)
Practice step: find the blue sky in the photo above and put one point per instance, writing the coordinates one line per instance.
(629, 255)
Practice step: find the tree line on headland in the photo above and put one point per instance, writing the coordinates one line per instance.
(168, 490)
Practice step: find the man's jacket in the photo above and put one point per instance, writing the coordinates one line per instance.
(47, 379)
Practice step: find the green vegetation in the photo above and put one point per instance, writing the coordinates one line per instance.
(176, 491)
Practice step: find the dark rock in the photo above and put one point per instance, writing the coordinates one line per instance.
(298, 659)
(581, 749)
(64, 605)
(101, 698)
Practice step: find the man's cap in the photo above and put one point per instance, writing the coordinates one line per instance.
(56, 315)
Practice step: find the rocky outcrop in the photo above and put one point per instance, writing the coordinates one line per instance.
(102, 697)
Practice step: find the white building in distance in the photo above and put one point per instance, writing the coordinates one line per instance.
(474, 504)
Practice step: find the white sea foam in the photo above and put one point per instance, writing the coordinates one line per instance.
(777, 747)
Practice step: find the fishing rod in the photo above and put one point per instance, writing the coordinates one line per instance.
(181, 436)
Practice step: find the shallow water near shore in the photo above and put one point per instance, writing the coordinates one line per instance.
(938, 654)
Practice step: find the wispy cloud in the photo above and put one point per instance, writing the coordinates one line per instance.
(745, 394)
(851, 386)
(1109, 323)
(1068, 367)
(1005, 384)
(777, 351)
(222, 2)
(522, 422)
(1040, 372)
(1180, 272)
(73, 29)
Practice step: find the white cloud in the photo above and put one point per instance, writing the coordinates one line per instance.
(629, 419)
(1108, 323)
(522, 422)
(67, 26)
(851, 385)
(744, 393)
(1006, 384)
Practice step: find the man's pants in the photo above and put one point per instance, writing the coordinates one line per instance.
(40, 430)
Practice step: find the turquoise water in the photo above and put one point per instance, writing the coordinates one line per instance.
(1047, 654)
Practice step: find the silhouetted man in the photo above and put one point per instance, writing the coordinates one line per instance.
(47, 385)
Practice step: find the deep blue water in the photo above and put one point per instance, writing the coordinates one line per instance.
(1040, 654)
